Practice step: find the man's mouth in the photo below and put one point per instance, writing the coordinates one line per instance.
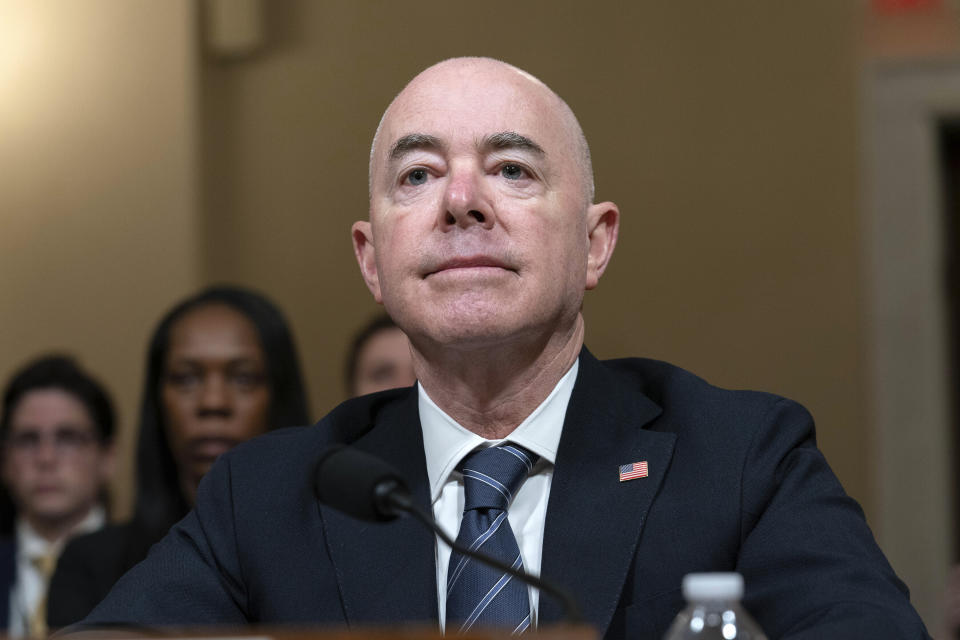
(464, 263)
(47, 488)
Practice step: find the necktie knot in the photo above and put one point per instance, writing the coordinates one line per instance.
(45, 564)
(492, 476)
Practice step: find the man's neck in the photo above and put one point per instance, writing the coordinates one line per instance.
(492, 390)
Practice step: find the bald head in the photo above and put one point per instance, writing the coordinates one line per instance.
(470, 73)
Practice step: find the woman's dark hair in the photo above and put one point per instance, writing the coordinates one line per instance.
(159, 500)
(54, 372)
(376, 324)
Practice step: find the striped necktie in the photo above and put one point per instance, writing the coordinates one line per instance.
(478, 595)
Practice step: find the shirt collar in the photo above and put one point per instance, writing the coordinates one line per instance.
(445, 442)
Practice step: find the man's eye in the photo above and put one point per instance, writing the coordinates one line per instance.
(512, 171)
(417, 177)
(28, 440)
(382, 373)
(72, 439)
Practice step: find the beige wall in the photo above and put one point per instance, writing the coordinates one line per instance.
(98, 214)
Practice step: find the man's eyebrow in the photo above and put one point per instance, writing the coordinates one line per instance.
(511, 140)
(413, 141)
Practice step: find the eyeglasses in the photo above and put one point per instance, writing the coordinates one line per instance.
(65, 441)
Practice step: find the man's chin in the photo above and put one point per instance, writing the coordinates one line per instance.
(470, 333)
(468, 320)
(58, 512)
(50, 505)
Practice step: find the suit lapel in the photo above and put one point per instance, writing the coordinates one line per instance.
(8, 573)
(377, 563)
(593, 520)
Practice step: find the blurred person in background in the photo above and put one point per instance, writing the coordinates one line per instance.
(951, 605)
(379, 358)
(221, 368)
(56, 434)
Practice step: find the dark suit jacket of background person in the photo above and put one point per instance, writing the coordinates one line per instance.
(735, 484)
(89, 567)
(8, 575)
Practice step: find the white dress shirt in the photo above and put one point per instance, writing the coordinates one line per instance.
(31, 585)
(445, 443)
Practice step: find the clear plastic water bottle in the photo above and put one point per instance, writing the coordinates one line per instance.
(713, 610)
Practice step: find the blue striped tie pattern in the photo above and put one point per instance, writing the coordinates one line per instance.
(478, 595)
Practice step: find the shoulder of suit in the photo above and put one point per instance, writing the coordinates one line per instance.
(676, 389)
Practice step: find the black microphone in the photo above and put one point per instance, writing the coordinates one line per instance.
(365, 487)
(359, 484)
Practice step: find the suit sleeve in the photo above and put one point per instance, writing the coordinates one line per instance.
(192, 576)
(811, 565)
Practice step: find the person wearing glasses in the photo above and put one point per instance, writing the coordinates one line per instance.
(56, 458)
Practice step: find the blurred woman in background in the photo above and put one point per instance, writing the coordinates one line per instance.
(221, 368)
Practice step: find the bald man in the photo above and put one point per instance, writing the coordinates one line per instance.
(610, 479)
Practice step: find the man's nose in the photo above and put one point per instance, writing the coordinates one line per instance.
(466, 201)
(47, 451)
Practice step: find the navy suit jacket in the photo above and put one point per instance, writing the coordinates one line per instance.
(8, 576)
(735, 483)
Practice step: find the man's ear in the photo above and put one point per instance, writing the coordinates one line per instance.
(603, 225)
(366, 256)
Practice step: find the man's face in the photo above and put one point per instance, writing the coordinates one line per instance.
(54, 465)
(383, 363)
(479, 222)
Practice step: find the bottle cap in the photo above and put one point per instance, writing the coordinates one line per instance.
(712, 586)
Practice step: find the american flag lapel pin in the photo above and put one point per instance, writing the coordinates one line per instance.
(633, 471)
